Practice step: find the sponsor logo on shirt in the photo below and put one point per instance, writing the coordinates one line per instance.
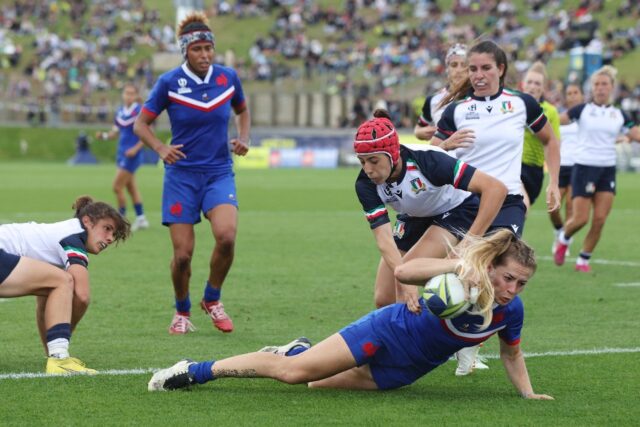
(489, 108)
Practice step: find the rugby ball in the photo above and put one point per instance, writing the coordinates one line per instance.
(444, 296)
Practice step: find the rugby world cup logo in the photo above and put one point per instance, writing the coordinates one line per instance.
(182, 82)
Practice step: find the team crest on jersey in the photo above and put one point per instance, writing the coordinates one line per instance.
(417, 185)
(222, 80)
(398, 229)
(205, 96)
(182, 82)
(506, 107)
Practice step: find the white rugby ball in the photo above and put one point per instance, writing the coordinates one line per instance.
(444, 296)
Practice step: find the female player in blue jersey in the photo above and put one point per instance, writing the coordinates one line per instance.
(484, 125)
(430, 191)
(129, 155)
(392, 347)
(199, 97)
(593, 178)
(50, 261)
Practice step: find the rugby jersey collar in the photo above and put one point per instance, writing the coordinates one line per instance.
(486, 98)
(127, 111)
(194, 77)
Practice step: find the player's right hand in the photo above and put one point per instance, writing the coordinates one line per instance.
(171, 153)
(462, 138)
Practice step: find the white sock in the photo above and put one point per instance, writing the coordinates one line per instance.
(58, 348)
(562, 239)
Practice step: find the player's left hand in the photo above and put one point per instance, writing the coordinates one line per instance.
(411, 298)
(553, 197)
(239, 147)
(534, 396)
(131, 152)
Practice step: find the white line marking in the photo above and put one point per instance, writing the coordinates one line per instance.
(140, 371)
(628, 285)
(598, 261)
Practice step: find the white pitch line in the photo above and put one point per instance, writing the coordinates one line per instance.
(139, 371)
(597, 261)
(628, 285)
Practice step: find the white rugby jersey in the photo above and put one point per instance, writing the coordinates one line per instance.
(61, 243)
(599, 127)
(431, 112)
(430, 184)
(499, 122)
(568, 144)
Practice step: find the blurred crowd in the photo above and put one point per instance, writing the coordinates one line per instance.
(306, 42)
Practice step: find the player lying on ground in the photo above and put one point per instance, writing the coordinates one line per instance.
(50, 261)
(392, 347)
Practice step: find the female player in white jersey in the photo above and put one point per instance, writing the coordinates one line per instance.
(457, 70)
(484, 125)
(50, 261)
(429, 186)
(593, 179)
(129, 155)
(569, 144)
(393, 347)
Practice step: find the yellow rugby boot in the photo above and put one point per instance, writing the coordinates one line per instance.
(68, 366)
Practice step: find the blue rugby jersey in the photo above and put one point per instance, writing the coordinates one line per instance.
(431, 183)
(427, 336)
(598, 129)
(499, 122)
(124, 119)
(199, 112)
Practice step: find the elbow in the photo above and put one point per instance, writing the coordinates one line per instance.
(401, 273)
(82, 299)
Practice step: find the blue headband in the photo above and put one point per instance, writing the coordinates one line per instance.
(194, 36)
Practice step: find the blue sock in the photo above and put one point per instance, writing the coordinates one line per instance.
(211, 294)
(296, 350)
(61, 330)
(202, 371)
(122, 210)
(139, 209)
(183, 306)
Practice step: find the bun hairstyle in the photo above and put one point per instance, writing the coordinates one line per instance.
(378, 136)
(86, 206)
(194, 28)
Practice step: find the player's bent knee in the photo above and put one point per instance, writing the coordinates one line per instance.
(182, 260)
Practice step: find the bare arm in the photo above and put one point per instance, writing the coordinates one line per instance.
(418, 270)
(424, 133)
(564, 118)
(513, 361)
(462, 138)
(111, 133)
(387, 246)
(168, 153)
(552, 158)
(240, 145)
(493, 193)
(634, 133)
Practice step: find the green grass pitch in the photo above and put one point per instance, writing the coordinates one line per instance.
(305, 264)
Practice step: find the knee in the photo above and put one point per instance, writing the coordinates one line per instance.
(598, 221)
(66, 282)
(225, 242)
(294, 376)
(182, 260)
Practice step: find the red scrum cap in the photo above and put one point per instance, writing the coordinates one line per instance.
(378, 135)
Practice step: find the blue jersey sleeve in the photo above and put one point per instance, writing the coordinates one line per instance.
(514, 314)
(535, 116)
(374, 209)
(158, 99)
(447, 124)
(426, 118)
(575, 112)
(628, 121)
(76, 249)
(442, 169)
